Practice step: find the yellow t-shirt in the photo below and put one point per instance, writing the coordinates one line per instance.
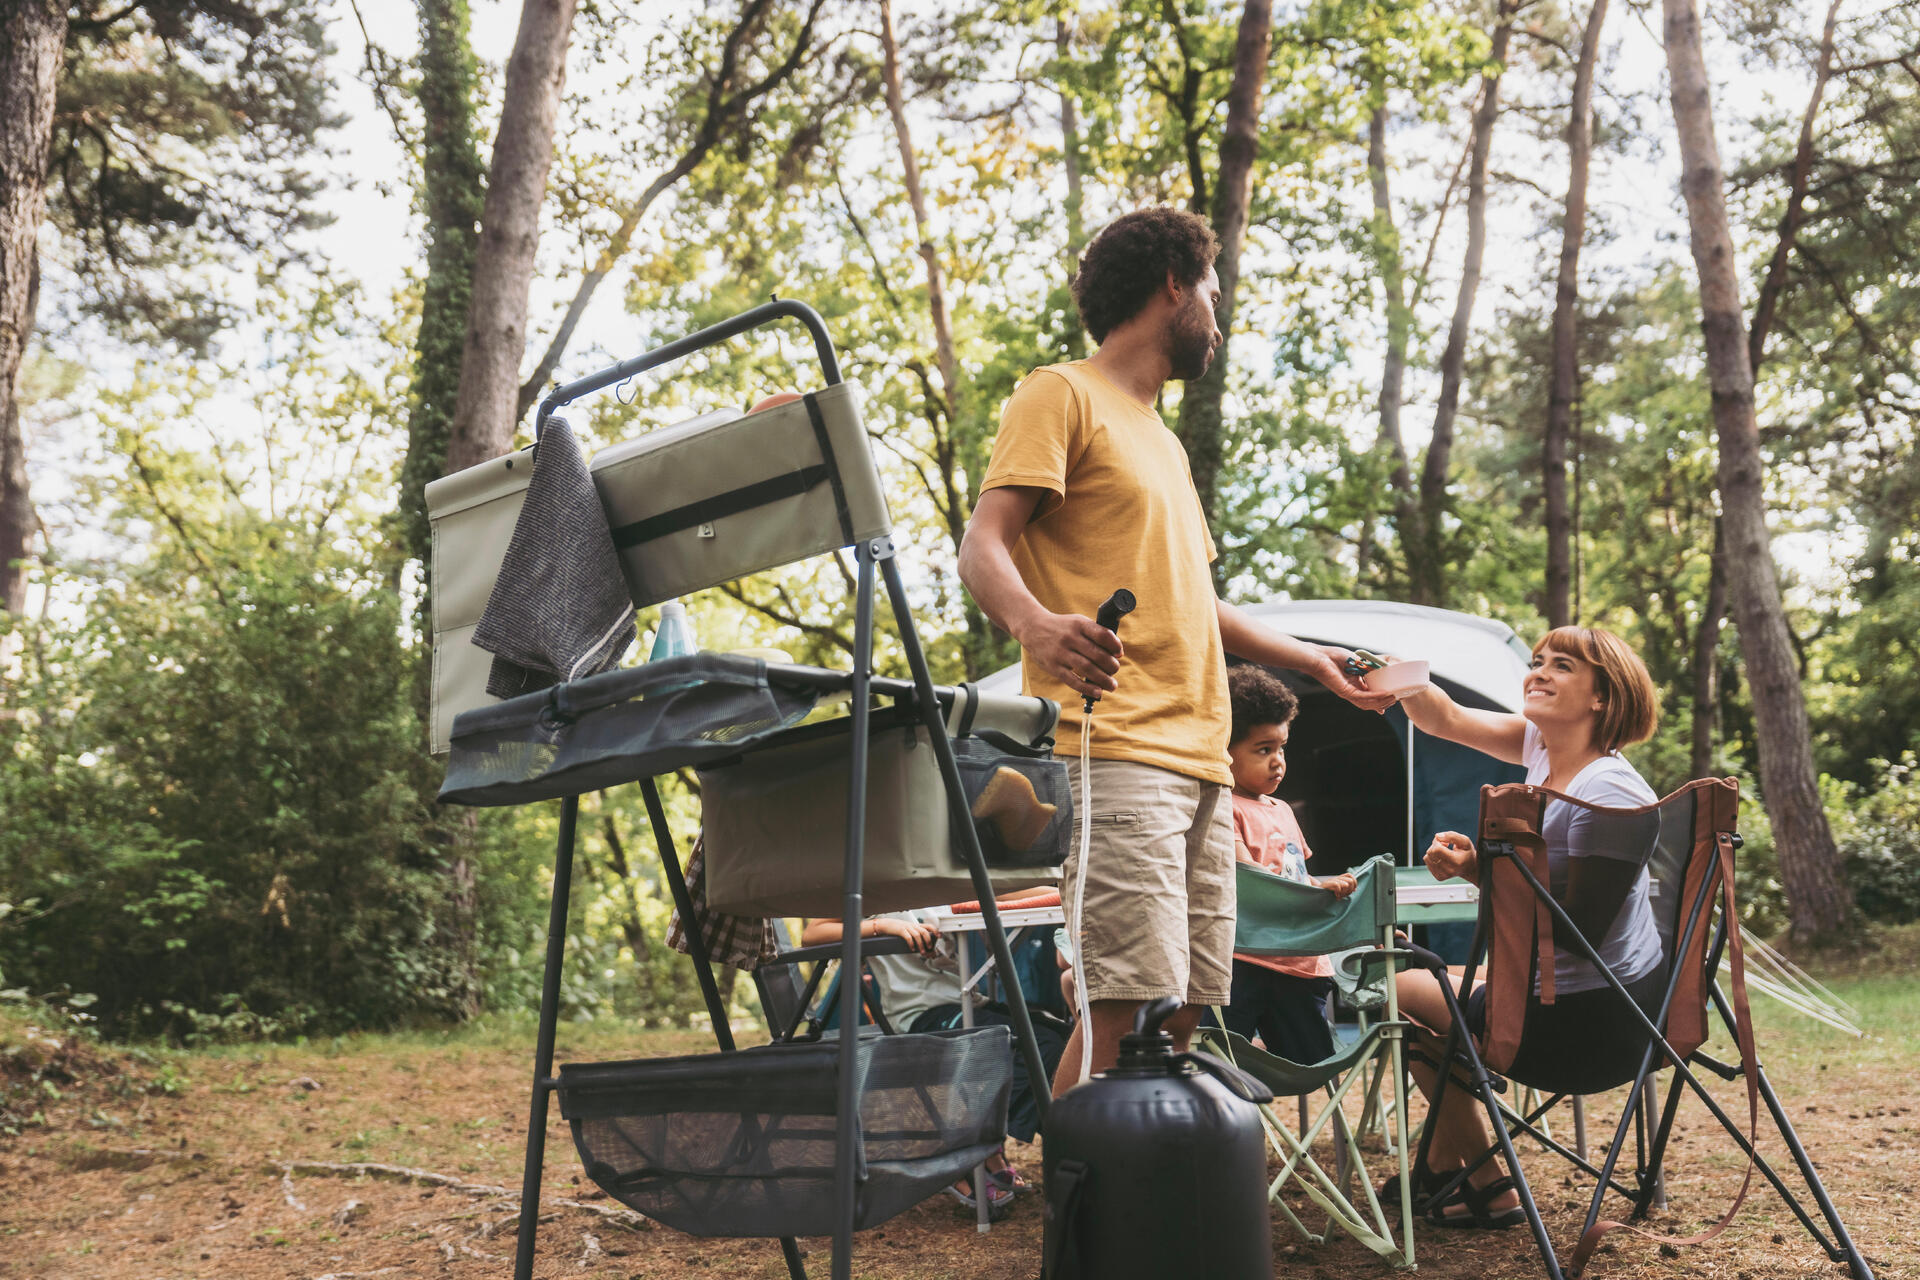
(1120, 511)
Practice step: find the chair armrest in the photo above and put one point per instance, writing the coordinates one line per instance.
(882, 946)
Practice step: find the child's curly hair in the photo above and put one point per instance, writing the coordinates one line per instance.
(1259, 697)
(1128, 262)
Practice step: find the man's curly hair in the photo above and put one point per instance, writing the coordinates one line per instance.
(1259, 697)
(1129, 260)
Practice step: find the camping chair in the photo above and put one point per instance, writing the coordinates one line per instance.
(1278, 917)
(1686, 845)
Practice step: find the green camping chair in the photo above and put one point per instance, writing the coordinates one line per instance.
(1278, 917)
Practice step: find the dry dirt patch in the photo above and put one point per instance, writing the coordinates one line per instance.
(264, 1163)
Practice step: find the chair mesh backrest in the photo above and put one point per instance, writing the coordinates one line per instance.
(1279, 917)
(1675, 840)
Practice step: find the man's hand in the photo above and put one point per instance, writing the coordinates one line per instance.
(1076, 651)
(1333, 674)
(1451, 854)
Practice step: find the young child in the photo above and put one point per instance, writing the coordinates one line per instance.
(1281, 997)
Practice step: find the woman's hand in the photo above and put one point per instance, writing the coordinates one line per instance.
(1451, 854)
(918, 936)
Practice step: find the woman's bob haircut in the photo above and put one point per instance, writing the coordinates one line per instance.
(1629, 705)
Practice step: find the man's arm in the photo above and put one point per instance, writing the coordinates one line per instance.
(1077, 651)
(1243, 637)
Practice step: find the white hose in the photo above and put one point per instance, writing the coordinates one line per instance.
(1079, 900)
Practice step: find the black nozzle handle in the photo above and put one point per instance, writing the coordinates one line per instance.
(1238, 1082)
(1118, 606)
(1148, 1017)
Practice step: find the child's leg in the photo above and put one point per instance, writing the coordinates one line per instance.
(1248, 1003)
(1294, 1019)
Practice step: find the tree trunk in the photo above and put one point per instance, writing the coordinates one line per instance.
(1201, 427)
(33, 35)
(453, 193)
(1706, 664)
(1705, 692)
(496, 331)
(1776, 278)
(1076, 337)
(1818, 903)
(1393, 282)
(1425, 566)
(1566, 329)
(910, 167)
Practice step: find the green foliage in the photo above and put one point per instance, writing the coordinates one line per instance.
(184, 133)
(1878, 831)
(222, 809)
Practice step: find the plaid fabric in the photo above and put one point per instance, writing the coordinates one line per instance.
(745, 942)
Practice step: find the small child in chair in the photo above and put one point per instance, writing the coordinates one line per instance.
(1281, 997)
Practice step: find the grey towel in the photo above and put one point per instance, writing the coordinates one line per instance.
(560, 608)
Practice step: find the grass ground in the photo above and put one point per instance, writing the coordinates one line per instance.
(258, 1162)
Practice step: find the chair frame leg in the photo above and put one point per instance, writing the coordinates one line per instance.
(1844, 1251)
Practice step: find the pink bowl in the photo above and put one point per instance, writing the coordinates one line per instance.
(1399, 678)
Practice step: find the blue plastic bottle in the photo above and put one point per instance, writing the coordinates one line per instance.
(673, 638)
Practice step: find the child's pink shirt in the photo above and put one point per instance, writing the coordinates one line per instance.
(1271, 834)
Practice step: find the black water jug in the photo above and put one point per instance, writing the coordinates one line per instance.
(1158, 1167)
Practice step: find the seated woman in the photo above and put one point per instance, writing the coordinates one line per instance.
(1587, 696)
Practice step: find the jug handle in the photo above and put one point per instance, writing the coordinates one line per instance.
(1068, 1182)
(1237, 1082)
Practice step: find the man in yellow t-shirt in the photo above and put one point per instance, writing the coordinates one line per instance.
(1087, 492)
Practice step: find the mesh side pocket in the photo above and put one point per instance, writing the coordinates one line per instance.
(1020, 799)
(741, 1144)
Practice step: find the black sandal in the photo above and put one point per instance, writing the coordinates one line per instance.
(1425, 1183)
(1478, 1202)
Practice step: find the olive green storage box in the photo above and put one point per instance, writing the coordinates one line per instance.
(472, 513)
(775, 822)
(690, 506)
(721, 497)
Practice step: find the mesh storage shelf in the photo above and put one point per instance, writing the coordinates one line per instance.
(742, 1144)
(616, 727)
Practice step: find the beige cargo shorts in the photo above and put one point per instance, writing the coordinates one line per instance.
(1158, 919)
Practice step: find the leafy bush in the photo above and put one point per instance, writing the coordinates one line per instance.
(218, 800)
(1878, 832)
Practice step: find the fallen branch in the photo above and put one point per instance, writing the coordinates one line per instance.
(140, 1157)
(383, 1172)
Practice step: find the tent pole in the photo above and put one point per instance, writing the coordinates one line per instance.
(1410, 850)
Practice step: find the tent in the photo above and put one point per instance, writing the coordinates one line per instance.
(1360, 787)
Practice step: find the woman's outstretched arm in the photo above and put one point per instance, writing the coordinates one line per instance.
(1499, 734)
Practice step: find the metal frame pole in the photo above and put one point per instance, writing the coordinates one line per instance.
(543, 1052)
(846, 1129)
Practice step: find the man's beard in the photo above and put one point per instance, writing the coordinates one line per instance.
(1190, 349)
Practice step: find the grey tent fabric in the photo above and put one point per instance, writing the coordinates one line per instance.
(616, 727)
(560, 608)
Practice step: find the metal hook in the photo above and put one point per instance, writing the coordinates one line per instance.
(625, 382)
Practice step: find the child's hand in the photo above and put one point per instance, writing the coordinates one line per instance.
(918, 936)
(1342, 885)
